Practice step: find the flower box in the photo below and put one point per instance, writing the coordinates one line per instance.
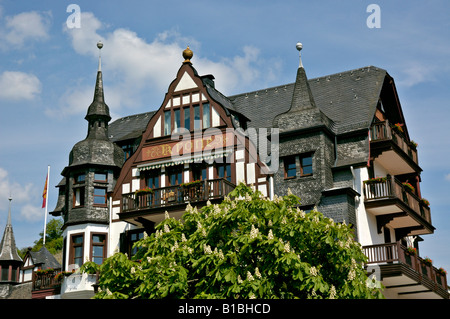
(427, 261)
(441, 271)
(425, 202)
(376, 180)
(409, 187)
(411, 251)
(146, 190)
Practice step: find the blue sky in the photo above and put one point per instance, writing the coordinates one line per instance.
(47, 76)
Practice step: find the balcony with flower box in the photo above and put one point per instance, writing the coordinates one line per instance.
(150, 204)
(396, 204)
(390, 147)
(406, 275)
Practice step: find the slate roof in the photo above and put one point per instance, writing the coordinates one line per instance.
(348, 99)
(44, 259)
(8, 248)
(129, 127)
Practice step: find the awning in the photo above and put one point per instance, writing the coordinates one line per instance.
(205, 156)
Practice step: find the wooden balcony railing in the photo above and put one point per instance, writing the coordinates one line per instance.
(382, 131)
(179, 194)
(391, 188)
(46, 280)
(397, 253)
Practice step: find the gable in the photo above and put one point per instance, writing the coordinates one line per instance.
(185, 83)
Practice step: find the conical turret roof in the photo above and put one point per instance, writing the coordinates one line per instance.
(8, 249)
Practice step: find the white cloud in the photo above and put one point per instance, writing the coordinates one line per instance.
(20, 194)
(16, 85)
(24, 27)
(32, 213)
(141, 65)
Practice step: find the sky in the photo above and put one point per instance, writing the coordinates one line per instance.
(49, 59)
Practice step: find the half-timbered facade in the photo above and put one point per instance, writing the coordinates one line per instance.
(342, 146)
(193, 150)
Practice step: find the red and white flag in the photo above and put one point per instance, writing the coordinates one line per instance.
(44, 194)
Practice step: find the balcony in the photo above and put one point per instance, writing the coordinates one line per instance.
(406, 275)
(391, 148)
(141, 206)
(45, 284)
(78, 286)
(394, 204)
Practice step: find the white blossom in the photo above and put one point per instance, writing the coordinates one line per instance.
(313, 271)
(332, 292)
(257, 273)
(252, 296)
(166, 228)
(183, 237)
(351, 274)
(249, 276)
(208, 203)
(270, 236)
(133, 270)
(207, 249)
(239, 279)
(166, 215)
(254, 232)
(287, 247)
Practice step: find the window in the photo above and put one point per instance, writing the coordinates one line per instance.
(199, 172)
(167, 123)
(134, 237)
(187, 118)
(290, 169)
(175, 175)
(177, 119)
(76, 250)
(100, 177)
(80, 178)
(224, 170)
(127, 150)
(290, 166)
(197, 120)
(78, 197)
(306, 165)
(99, 196)
(153, 179)
(206, 115)
(98, 248)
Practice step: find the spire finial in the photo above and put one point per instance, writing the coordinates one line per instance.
(99, 46)
(9, 211)
(299, 47)
(187, 55)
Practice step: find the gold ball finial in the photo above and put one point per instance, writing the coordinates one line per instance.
(187, 55)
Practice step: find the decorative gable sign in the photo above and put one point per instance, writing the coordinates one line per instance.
(187, 147)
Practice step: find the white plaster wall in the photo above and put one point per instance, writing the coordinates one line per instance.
(86, 229)
(379, 170)
(366, 222)
(157, 128)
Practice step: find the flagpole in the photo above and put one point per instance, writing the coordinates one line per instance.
(46, 203)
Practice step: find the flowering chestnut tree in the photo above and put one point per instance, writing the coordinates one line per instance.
(245, 247)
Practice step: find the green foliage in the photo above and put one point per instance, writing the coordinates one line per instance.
(53, 238)
(248, 247)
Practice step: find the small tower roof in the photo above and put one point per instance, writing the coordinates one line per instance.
(98, 107)
(8, 249)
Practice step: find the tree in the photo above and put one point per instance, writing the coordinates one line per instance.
(245, 247)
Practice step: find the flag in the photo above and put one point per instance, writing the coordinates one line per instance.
(44, 194)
